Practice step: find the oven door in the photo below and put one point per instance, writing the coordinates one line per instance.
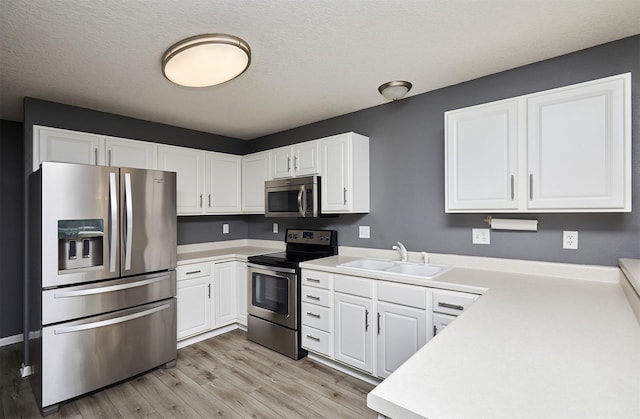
(292, 197)
(273, 294)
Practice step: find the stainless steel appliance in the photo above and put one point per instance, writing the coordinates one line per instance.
(274, 290)
(102, 280)
(293, 197)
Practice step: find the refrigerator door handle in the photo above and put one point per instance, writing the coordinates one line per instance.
(128, 200)
(113, 237)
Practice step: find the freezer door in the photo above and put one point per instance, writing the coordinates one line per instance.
(148, 221)
(77, 230)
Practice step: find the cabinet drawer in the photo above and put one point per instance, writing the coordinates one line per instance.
(193, 270)
(316, 296)
(316, 340)
(316, 279)
(451, 302)
(316, 316)
(362, 287)
(406, 295)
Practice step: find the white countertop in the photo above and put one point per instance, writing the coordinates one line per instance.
(532, 346)
(234, 249)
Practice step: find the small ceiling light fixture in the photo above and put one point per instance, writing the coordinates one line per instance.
(394, 90)
(206, 60)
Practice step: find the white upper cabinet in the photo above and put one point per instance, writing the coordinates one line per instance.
(187, 163)
(130, 153)
(561, 150)
(579, 152)
(255, 171)
(297, 160)
(481, 157)
(345, 174)
(222, 183)
(53, 144)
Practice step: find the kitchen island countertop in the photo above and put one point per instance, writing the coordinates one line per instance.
(532, 346)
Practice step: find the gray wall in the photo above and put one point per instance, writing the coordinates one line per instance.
(11, 221)
(407, 170)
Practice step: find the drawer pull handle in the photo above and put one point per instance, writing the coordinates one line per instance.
(193, 272)
(452, 306)
(313, 314)
(313, 297)
(313, 280)
(313, 338)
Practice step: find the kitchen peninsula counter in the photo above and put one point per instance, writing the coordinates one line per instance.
(563, 342)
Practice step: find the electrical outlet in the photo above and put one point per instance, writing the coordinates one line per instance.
(480, 236)
(275, 227)
(225, 228)
(570, 240)
(364, 232)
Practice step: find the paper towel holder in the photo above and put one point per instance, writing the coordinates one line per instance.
(511, 224)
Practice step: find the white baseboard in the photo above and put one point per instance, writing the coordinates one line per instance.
(207, 335)
(10, 340)
(344, 369)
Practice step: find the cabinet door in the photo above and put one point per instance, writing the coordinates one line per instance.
(440, 321)
(66, 146)
(306, 158)
(576, 147)
(129, 153)
(222, 183)
(187, 164)
(482, 157)
(255, 170)
(335, 175)
(224, 293)
(280, 162)
(401, 332)
(353, 331)
(194, 306)
(242, 293)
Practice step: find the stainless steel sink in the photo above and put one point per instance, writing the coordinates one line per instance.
(396, 267)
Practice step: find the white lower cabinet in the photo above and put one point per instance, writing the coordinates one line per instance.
(242, 292)
(354, 331)
(224, 293)
(316, 312)
(194, 299)
(210, 295)
(440, 321)
(402, 324)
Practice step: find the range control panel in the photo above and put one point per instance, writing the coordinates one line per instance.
(317, 237)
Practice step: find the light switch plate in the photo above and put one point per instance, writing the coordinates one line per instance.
(364, 232)
(275, 227)
(480, 236)
(225, 228)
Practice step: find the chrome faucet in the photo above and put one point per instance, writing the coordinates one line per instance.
(402, 250)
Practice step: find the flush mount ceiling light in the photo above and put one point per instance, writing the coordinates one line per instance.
(206, 60)
(394, 90)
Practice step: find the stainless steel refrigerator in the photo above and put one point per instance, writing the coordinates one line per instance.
(101, 280)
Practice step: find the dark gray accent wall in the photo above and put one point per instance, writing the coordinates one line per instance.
(11, 227)
(407, 169)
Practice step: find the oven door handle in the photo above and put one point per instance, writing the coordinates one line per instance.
(272, 268)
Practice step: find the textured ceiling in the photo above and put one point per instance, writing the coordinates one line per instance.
(311, 60)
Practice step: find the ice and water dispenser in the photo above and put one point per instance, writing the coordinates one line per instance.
(80, 243)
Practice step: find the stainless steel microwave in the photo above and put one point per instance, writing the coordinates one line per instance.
(292, 197)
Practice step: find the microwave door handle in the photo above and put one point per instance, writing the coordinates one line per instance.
(300, 201)
(129, 224)
(113, 236)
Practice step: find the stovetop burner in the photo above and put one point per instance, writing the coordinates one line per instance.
(302, 245)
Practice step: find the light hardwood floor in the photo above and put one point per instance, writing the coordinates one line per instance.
(226, 376)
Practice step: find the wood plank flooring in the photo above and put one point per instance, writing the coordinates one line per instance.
(226, 377)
